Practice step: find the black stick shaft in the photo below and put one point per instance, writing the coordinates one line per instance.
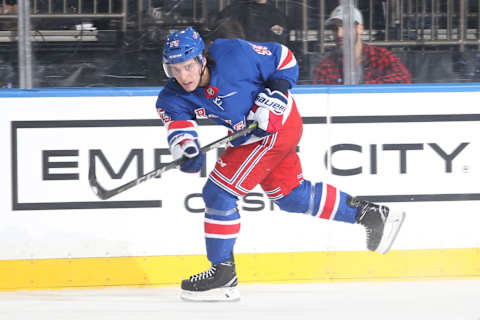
(104, 194)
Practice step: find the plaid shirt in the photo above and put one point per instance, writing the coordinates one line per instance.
(379, 66)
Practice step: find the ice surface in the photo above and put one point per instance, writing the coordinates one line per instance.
(447, 299)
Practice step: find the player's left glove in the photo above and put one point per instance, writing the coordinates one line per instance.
(190, 149)
(268, 111)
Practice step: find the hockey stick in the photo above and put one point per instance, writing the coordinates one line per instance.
(104, 194)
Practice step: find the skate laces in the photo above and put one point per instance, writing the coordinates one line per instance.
(363, 209)
(371, 214)
(204, 275)
(372, 217)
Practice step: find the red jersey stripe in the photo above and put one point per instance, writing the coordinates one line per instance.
(286, 61)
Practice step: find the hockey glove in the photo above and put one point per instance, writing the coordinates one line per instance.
(191, 150)
(268, 111)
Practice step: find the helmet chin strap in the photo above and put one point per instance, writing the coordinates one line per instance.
(201, 74)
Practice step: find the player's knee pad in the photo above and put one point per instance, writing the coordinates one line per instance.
(299, 199)
(218, 201)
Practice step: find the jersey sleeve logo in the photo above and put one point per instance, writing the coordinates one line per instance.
(239, 126)
(201, 113)
(261, 49)
(211, 92)
(163, 116)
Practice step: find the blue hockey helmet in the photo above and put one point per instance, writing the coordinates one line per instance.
(181, 46)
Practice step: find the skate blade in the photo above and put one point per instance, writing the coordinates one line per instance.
(219, 294)
(392, 227)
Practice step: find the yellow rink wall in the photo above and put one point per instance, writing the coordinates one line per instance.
(397, 265)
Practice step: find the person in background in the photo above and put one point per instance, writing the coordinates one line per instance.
(9, 7)
(226, 28)
(262, 21)
(375, 65)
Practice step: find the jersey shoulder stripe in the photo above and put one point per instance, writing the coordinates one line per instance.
(287, 59)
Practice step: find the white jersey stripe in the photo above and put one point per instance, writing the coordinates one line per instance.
(322, 200)
(272, 139)
(287, 59)
(221, 236)
(337, 203)
(222, 222)
(273, 191)
(286, 113)
(224, 186)
(247, 160)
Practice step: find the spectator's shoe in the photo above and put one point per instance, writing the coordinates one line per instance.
(381, 223)
(219, 283)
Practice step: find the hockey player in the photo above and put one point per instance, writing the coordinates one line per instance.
(232, 83)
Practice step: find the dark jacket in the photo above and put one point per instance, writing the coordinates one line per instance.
(261, 22)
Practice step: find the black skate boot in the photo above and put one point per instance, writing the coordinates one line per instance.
(219, 283)
(382, 224)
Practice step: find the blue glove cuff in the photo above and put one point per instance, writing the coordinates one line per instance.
(193, 165)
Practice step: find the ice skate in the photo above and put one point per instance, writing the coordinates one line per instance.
(381, 223)
(219, 283)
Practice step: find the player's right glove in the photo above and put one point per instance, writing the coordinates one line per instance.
(268, 111)
(190, 149)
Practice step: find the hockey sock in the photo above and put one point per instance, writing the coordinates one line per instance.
(221, 231)
(321, 200)
(222, 222)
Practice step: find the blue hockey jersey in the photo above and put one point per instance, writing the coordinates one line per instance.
(241, 71)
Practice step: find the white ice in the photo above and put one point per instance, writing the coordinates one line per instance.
(446, 299)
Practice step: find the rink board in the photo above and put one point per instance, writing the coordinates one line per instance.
(295, 267)
(412, 147)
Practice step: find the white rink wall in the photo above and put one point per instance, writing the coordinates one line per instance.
(413, 147)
